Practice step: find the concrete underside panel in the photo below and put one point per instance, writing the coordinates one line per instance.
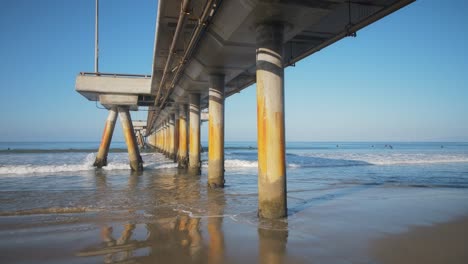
(118, 99)
(228, 45)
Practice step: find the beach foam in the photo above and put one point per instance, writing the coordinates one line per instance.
(114, 163)
(392, 158)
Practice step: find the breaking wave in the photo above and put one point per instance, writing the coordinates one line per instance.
(74, 162)
(392, 158)
(85, 165)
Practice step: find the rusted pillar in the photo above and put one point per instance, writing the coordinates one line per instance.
(194, 137)
(160, 138)
(136, 162)
(168, 138)
(165, 146)
(182, 152)
(140, 140)
(270, 121)
(171, 136)
(216, 132)
(101, 157)
(176, 134)
(164, 137)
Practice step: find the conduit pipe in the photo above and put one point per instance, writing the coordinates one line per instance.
(180, 25)
(208, 12)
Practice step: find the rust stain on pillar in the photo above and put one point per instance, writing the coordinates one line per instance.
(101, 157)
(176, 136)
(270, 119)
(171, 137)
(182, 153)
(136, 162)
(216, 132)
(194, 138)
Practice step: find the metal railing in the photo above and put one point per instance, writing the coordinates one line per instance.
(115, 75)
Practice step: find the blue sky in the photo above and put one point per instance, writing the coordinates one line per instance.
(403, 78)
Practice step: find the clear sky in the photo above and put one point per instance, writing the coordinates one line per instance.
(403, 78)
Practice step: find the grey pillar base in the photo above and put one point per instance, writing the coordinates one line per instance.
(136, 165)
(99, 163)
(182, 162)
(194, 170)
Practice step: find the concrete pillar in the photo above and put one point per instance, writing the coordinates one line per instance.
(165, 138)
(270, 122)
(176, 134)
(160, 138)
(216, 132)
(171, 137)
(136, 162)
(139, 138)
(168, 138)
(157, 139)
(101, 157)
(194, 137)
(182, 152)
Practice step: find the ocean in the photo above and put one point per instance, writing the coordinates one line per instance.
(342, 198)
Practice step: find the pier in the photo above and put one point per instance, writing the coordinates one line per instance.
(205, 52)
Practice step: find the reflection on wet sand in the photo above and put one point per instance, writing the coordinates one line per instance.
(172, 236)
(215, 228)
(272, 242)
(186, 224)
(176, 240)
(121, 253)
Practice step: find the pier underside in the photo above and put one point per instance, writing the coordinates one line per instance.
(206, 51)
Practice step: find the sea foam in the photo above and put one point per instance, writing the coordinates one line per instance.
(156, 161)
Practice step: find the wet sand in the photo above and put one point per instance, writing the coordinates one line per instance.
(169, 217)
(440, 243)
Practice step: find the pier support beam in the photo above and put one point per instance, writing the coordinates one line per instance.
(101, 157)
(176, 135)
(171, 155)
(182, 158)
(216, 132)
(140, 139)
(270, 121)
(136, 162)
(165, 138)
(194, 137)
(158, 139)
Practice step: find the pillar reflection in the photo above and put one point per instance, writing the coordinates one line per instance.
(216, 246)
(272, 242)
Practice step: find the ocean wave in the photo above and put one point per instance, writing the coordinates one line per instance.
(240, 164)
(119, 161)
(392, 158)
(157, 162)
(71, 150)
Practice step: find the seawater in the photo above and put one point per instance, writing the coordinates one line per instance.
(332, 188)
(68, 165)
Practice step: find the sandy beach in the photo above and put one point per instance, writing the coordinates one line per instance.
(440, 243)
